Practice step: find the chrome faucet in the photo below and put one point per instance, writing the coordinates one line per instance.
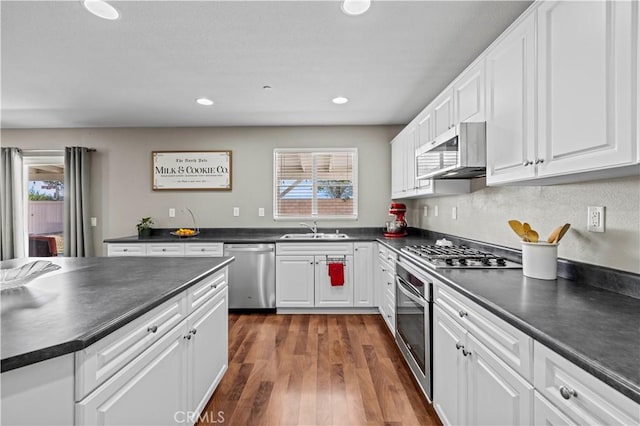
(313, 228)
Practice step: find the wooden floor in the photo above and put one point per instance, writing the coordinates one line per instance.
(315, 370)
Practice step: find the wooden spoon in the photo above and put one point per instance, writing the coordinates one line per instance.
(517, 228)
(532, 236)
(554, 234)
(563, 231)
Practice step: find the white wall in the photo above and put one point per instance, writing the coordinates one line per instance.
(122, 172)
(483, 215)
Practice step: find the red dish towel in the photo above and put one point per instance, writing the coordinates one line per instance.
(336, 273)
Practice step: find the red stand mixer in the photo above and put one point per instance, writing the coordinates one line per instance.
(396, 228)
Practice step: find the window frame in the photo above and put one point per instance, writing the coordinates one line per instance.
(314, 214)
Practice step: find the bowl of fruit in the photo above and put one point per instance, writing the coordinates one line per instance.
(185, 232)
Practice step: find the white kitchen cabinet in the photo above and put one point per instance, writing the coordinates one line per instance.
(327, 295)
(207, 349)
(545, 413)
(203, 249)
(398, 161)
(425, 127)
(386, 286)
(469, 94)
(364, 273)
(471, 384)
(578, 395)
(163, 367)
(165, 249)
(295, 281)
(585, 82)
(511, 105)
(443, 113)
(132, 396)
(126, 249)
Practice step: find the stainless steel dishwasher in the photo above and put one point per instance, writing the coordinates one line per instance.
(252, 277)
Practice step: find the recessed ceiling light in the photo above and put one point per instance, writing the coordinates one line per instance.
(101, 9)
(204, 101)
(340, 100)
(355, 7)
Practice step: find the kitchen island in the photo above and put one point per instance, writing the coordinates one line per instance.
(112, 329)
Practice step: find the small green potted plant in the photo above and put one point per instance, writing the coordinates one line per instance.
(144, 227)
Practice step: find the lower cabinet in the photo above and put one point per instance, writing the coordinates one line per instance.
(303, 282)
(386, 286)
(472, 385)
(173, 379)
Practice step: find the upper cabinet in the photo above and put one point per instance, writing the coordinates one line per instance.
(511, 105)
(443, 118)
(585, 82)
(560, 94)
(469, 94)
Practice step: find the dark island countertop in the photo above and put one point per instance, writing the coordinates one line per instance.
(597, 329)
(88, 298)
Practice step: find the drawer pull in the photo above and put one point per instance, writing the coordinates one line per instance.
(567, 393)
(466, 352)
(188, 336)
(459, 346)
(194, 331)
(153, 328)
(462, 314)
(214, 286)
(125, 249)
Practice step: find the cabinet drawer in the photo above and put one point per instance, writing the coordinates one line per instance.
(200, 293)
(203, 249)
(169, 249)
(579, 395)
(126, 250)
(512, 346)
(98, 362)
(390, 287)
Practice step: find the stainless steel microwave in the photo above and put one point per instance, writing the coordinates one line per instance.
(459, 153)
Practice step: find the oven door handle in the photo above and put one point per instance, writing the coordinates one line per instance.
(410, 295)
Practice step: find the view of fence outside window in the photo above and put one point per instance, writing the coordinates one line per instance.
(315, 184)
(45, 198)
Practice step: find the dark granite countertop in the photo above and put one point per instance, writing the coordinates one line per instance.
(88, 298)
(597, 329)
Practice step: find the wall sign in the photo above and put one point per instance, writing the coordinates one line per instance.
(205, 170)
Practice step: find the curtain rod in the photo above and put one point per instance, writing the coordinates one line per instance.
(52, 151)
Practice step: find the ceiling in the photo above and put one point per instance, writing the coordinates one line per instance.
(64, 68)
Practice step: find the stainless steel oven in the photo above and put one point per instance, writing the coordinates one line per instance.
(414, 313)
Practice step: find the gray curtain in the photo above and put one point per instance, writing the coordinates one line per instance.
(12, 237)
(78, 241)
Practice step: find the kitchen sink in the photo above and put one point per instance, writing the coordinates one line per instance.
(312, 236)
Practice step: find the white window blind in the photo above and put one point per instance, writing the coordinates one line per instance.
(315, 183)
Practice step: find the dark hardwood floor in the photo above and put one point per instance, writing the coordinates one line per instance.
(315, 370)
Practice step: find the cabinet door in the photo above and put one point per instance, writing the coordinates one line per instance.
(545, 413)
(398, 176)
(131, 397)
(333, 296)
(469, 95)
(295, 281)
(207, 350)
(511, 105)
(496, 394)
(585, 86)
(449, 369)
(126, 250)
(168, 249)
(410, 159)
(443, 112)
(364, 274)
(425, 128)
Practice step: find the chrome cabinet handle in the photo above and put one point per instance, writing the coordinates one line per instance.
(152, 328)
(462, 314)
(201, 249)
(188, 337)
(164, 249)
(193, 331)
(125, 249)
(214, 286)
(459, 346)
(567, 393)
(539, 160)
(527, 163)
(465, 352)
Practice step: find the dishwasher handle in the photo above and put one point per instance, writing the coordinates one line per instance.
(249, 250)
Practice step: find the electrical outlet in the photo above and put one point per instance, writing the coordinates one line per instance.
(454, 212)
(261, 211)
(435, 211)
(236, 211)
(172, 212)
(94, 221)
(425, 211)
(595, 218)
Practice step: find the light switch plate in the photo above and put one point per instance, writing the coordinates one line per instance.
(172, 212)
(236, 211)
(425, 211)
(94, 221)
(435, 211)
(261, 211)
(454, 212)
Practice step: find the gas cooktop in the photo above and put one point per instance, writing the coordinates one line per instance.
(457, 257)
